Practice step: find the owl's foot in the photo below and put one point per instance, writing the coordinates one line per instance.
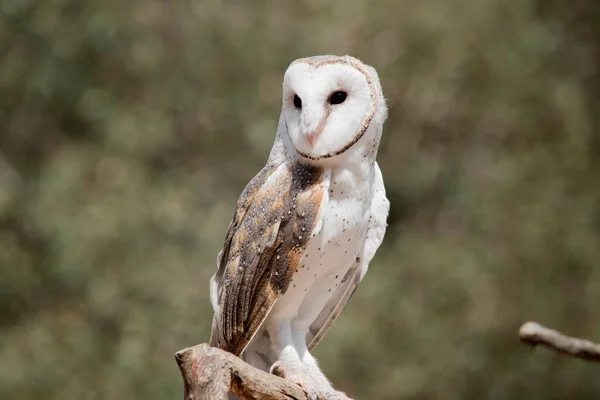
(314, 389)
(297, 374)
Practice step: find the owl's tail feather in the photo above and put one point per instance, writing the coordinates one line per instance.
(213, 342)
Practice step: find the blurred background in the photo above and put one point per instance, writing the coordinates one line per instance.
(129, 128)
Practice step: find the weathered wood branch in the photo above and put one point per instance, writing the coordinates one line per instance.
(533, 333)
(211, 374)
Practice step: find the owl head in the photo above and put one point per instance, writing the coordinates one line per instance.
(330, 104)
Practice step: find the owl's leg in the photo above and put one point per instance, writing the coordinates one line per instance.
(289, 363)
(297, 365)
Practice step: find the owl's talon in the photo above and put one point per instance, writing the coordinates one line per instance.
(298, 376)
(278, 370)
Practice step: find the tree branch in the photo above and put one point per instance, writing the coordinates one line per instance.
(211, 373)
(533, 333)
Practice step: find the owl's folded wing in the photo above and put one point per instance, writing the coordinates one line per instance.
(274, 218)
(380, 207)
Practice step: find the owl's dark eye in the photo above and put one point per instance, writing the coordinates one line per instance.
(297, 101)
(337, 98)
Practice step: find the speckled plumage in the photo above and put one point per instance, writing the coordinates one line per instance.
(263, 247)
(307, 226)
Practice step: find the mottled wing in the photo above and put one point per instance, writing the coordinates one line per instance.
(242, 206)
(263, 247)
(380, 207)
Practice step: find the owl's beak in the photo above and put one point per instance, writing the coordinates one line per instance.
(313, 136)
(312, 123)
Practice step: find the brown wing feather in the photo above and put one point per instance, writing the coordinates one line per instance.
(262, 249)
(241, 208)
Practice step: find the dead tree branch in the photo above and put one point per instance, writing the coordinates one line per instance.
(211, 373)
(533, 333)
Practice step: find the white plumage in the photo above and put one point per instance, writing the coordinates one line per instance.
(307, 226)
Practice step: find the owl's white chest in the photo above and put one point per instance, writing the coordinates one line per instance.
(330, 252)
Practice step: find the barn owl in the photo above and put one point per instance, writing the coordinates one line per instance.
(307, 225)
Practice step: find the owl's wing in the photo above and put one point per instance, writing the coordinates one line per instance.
(264, 243)
(380, 207)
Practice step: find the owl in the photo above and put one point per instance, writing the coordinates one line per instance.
(307, 225)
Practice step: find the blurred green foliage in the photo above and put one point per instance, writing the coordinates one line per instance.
(129, 128)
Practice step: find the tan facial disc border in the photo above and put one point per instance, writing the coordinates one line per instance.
(367, 120)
